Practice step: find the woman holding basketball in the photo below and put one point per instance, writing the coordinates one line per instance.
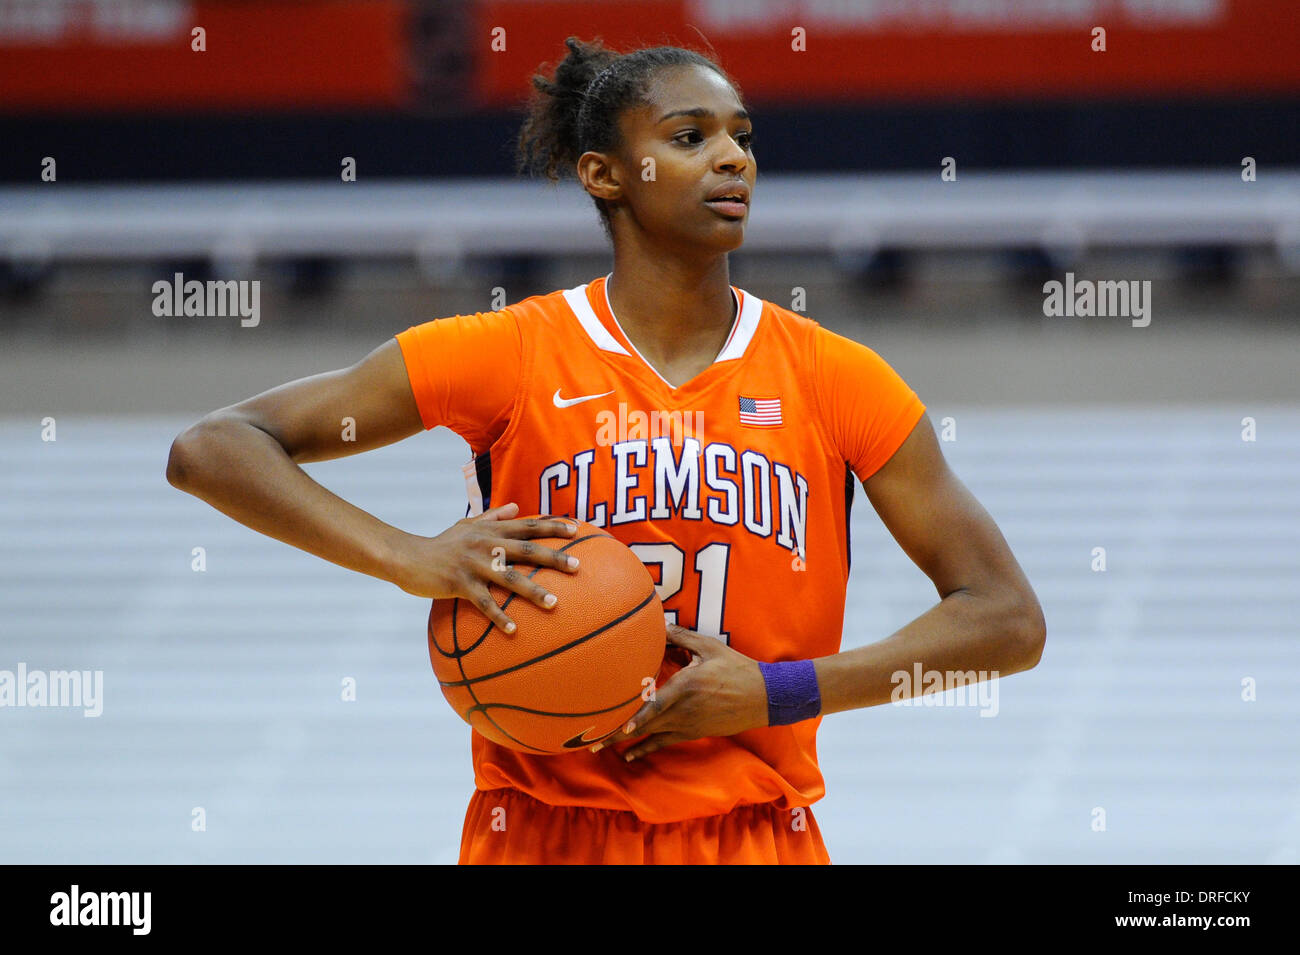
(743, 524)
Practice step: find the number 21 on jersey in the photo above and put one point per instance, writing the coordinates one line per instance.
(710, 564)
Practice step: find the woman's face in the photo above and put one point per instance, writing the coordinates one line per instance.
(691, 139)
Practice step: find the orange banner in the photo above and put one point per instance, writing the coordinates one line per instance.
(342, 54)
(834, 50)
(75, 54)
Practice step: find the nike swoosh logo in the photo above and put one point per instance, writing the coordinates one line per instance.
(580, 740)
(567, 402)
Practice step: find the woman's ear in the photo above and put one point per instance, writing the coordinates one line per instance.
(599, 176)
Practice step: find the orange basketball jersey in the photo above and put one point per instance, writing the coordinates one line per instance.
(733, 489)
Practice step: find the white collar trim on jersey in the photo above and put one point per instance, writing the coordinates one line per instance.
(748, 310)
(577, 299)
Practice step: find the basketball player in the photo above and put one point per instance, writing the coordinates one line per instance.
(743, 522)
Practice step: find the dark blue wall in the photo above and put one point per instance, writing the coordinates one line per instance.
(1178, 133)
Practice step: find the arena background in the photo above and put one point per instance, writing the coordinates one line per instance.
(1160, 725)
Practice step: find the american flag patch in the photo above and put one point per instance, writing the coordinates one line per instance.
(760, 412)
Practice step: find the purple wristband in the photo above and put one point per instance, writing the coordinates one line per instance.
(792, 693)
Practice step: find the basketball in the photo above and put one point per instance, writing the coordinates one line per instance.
(568, 676)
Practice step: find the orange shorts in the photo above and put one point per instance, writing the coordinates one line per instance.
(507, 826)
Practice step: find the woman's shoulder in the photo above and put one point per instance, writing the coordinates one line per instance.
(547, 306)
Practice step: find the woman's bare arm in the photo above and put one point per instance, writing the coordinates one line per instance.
(244, 461)
(988, 619)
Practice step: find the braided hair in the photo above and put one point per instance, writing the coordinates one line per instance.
(578, 109)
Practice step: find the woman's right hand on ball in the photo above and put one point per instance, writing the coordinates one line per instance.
(481, 550)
